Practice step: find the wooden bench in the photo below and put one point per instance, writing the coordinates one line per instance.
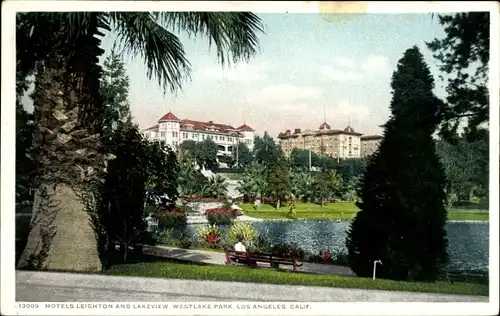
(251, 259)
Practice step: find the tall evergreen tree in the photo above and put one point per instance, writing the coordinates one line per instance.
(402, 215)
(114, 90)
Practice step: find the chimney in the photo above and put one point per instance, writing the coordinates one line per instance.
(210, 122)
(287, 132)
(297, 131)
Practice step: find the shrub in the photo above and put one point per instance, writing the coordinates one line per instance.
(326, 256)
(244, 230)
(166, 237)
(185, 241)
(171, 218)
(210, 234)
(220, 215)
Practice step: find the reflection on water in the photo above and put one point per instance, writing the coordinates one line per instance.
(468, 242)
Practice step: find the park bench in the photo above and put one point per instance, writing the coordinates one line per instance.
(251, 259)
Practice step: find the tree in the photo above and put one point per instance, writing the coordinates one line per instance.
(464, 56)
(206, 154)
(402, 217)
(121, 213)
(163, 170)
(229, 161)
(254, 181)
(326, 184)
(266, 152)
(63, 48)
(299, 159)
(191, 181)
(244, 158)
(215, 187)
(279, 180)
(114, 90)
(302, 184)
(189, 146)
(466, 167)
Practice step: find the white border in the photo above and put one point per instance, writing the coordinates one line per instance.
(8, 145)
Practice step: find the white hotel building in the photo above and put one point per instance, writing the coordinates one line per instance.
(172, 131)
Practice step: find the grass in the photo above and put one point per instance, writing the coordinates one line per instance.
(150, 266)
(340, 211)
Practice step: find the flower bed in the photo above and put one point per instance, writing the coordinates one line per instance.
(221, 215)
(171, 218)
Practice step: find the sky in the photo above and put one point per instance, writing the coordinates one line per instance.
(309, 67)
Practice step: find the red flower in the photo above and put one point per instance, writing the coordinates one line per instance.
(326, 256)
(212, 238)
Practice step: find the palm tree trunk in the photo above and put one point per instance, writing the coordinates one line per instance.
(69, 159)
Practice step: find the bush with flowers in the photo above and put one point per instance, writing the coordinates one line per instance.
(210, 235)
(170, 217)
(220, 215)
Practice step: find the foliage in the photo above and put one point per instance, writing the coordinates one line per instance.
(466, 167)
(229, 161)
(292, 208)
(302, 184)
(191, 180)
(279, 180)
(123, 195)
(242, 156)
(210, 234)
(402, 216)
(246, 231)
(170, 237)
(326, 185)
(220, 215)
(215, 187)
(254, 181)
(464, 56)
(265, 150)
(348, 189)
(170, 217)
(163, 170)
(114, 90)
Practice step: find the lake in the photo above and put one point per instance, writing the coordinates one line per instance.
(468, 242)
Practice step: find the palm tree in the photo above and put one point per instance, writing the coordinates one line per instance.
(254, 181)
(303, 184)
(62, 49)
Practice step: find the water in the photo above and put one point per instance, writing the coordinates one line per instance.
(468, 242)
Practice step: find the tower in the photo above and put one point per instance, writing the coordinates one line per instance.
(169, 130)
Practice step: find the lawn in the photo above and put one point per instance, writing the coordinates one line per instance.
(341, 211)
(167, 268)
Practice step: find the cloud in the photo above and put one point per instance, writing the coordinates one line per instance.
(284, 93)
(344, 69)
(243, 72)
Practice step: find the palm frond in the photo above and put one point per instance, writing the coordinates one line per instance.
(233, 33)
(140, 34)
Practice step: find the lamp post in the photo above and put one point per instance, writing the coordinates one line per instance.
(375, 267)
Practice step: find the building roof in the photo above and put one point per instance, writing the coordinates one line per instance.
(371, 137)
(349, 129)
(245, 128)
(324, 126)
(168, 117)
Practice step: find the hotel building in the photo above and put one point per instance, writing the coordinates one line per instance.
(345, 143)
(172, 131)
(369, 144)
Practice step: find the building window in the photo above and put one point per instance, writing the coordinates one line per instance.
(184, 135)
(162, 134)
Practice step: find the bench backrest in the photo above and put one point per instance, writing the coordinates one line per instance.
(260, 256)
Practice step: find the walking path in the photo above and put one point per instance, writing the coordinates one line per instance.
(212, 257)
(34, 286)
